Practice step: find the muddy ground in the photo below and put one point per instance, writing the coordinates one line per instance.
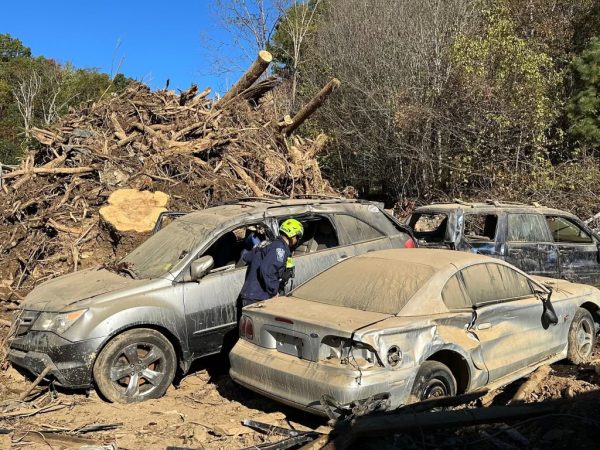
(205, 409)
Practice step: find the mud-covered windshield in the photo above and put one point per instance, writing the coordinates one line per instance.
(368, 284)
(163, 250)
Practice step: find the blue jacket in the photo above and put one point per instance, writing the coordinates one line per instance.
(266, 266)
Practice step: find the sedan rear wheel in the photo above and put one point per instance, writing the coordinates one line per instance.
(434, 379)
(135, 366)
(582, 337)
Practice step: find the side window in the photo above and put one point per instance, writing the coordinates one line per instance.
(565, 230)
(353, 230)
(227, 250)
(527, 228)
(453, 295)
(430, 227)
(480, 227)
(319, 234)
(491, 282)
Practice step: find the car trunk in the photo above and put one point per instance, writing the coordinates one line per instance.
(306, 329)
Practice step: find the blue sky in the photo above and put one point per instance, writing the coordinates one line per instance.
(155, 40)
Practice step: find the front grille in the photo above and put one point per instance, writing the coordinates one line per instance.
(25, 321)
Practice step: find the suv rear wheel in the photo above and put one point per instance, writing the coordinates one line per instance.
(135, 366)
(582, 337)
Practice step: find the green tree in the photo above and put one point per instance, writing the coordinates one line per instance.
(12, 48)
(584, 106)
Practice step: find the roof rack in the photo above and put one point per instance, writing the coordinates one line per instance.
(496, 203)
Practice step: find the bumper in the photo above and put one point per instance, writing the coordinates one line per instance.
(301, 384)
(70, 362)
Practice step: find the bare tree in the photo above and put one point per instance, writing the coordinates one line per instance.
(25, 92)
(296, 19)
(393, 132)
(249, 22)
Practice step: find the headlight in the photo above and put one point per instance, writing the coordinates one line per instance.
(57, 322)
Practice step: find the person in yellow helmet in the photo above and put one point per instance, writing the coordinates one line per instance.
(270, 266)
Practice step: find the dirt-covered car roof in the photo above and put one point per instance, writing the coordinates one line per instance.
(490, 208)
(433, 257)
(253, 206)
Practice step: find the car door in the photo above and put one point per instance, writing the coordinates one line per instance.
(529, 246)
(577, 250)
(319, 249)
(508, 320)
(211, 303)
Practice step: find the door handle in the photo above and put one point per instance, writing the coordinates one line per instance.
(484, 326)
(343, 257)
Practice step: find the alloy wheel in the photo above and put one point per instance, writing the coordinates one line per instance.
(138, 369)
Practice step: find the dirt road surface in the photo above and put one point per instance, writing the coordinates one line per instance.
(205, 409)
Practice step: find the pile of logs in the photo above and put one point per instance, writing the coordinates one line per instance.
(153, 150)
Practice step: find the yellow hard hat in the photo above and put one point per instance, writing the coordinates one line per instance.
(291, 228)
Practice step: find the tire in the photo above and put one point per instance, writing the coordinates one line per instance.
(434, 379)
(582, 337)
(134, 366)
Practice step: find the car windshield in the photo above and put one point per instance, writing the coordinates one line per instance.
(368, 284)
(163, 250)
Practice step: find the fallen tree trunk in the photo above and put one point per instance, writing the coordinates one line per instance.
(311, 106)
(529, 386)
(369, 426)
(253, 73)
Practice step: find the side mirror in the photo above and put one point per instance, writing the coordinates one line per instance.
(200, 267)
(549, 316)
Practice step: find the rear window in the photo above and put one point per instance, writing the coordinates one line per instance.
(354, 230)
(368, 284)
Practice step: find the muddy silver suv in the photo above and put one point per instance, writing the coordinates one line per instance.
(173, 299)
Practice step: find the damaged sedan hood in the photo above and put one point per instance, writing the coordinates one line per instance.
(308, 316)
(61, 292)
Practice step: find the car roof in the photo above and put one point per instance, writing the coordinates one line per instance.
(258, 205)
(490, 208)
(435, 258)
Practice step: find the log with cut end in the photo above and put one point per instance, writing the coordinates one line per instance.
(252, 74)
(312, 106)
(130, 210)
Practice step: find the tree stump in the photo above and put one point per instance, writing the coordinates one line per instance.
(130, 212)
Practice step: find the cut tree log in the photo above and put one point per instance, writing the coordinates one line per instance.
(312, 106)
(253, 73)
(393, 423)
(130, 210)
(529, 386)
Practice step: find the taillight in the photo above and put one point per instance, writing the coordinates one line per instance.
(409, 243)
(246, 328)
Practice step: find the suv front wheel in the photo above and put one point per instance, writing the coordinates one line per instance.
(135, 366)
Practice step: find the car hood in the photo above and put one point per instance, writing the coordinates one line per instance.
(63, 292)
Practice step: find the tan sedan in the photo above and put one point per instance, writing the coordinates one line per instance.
(391, 327)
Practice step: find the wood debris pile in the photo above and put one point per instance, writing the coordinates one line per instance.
(197, 151)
